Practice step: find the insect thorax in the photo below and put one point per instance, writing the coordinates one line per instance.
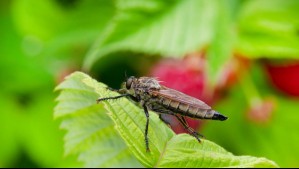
(143, 86)
(148, 83)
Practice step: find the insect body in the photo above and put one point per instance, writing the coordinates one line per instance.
(153, 96)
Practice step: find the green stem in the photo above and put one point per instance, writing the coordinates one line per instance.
(251, 93)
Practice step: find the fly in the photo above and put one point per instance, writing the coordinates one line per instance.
(158, 98)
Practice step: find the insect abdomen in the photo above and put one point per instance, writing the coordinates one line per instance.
(183, 109)
(196, 112)
(191, 111)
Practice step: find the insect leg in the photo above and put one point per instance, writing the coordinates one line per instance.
(183, 121)
(115, 97)
(146, 127)
(183, 118)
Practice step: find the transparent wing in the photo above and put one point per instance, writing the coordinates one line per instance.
(180, 97)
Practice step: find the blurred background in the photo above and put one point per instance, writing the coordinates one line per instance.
(239, 56)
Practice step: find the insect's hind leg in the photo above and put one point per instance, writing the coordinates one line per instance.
(200, 135)
(183, 121)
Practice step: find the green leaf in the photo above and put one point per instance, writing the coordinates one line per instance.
(269, 29)
(183, 151)
(168, 28)
(268, 46)
(90, 131)
(171, 30)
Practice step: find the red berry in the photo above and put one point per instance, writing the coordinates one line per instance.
(183, 75)
(285, 76)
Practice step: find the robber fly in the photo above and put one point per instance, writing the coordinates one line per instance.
(158, 98)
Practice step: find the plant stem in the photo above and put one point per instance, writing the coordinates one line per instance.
(251, 93)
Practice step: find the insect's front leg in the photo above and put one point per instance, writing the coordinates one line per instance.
(115, 97)
(146, 127)
(122, 92)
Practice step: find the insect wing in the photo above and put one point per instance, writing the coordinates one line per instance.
(180, 97)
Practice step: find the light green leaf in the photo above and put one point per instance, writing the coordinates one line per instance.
(183, 151)
(168, 28)
(268, 46)
(269, 29)
(90, 131)
(171, 30)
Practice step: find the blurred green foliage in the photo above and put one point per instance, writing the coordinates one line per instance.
(42, 41)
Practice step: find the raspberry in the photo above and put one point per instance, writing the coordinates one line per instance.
(284, 76)
(186, 76)
(178, 75)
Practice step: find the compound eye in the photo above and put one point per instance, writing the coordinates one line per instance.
(129, 82)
